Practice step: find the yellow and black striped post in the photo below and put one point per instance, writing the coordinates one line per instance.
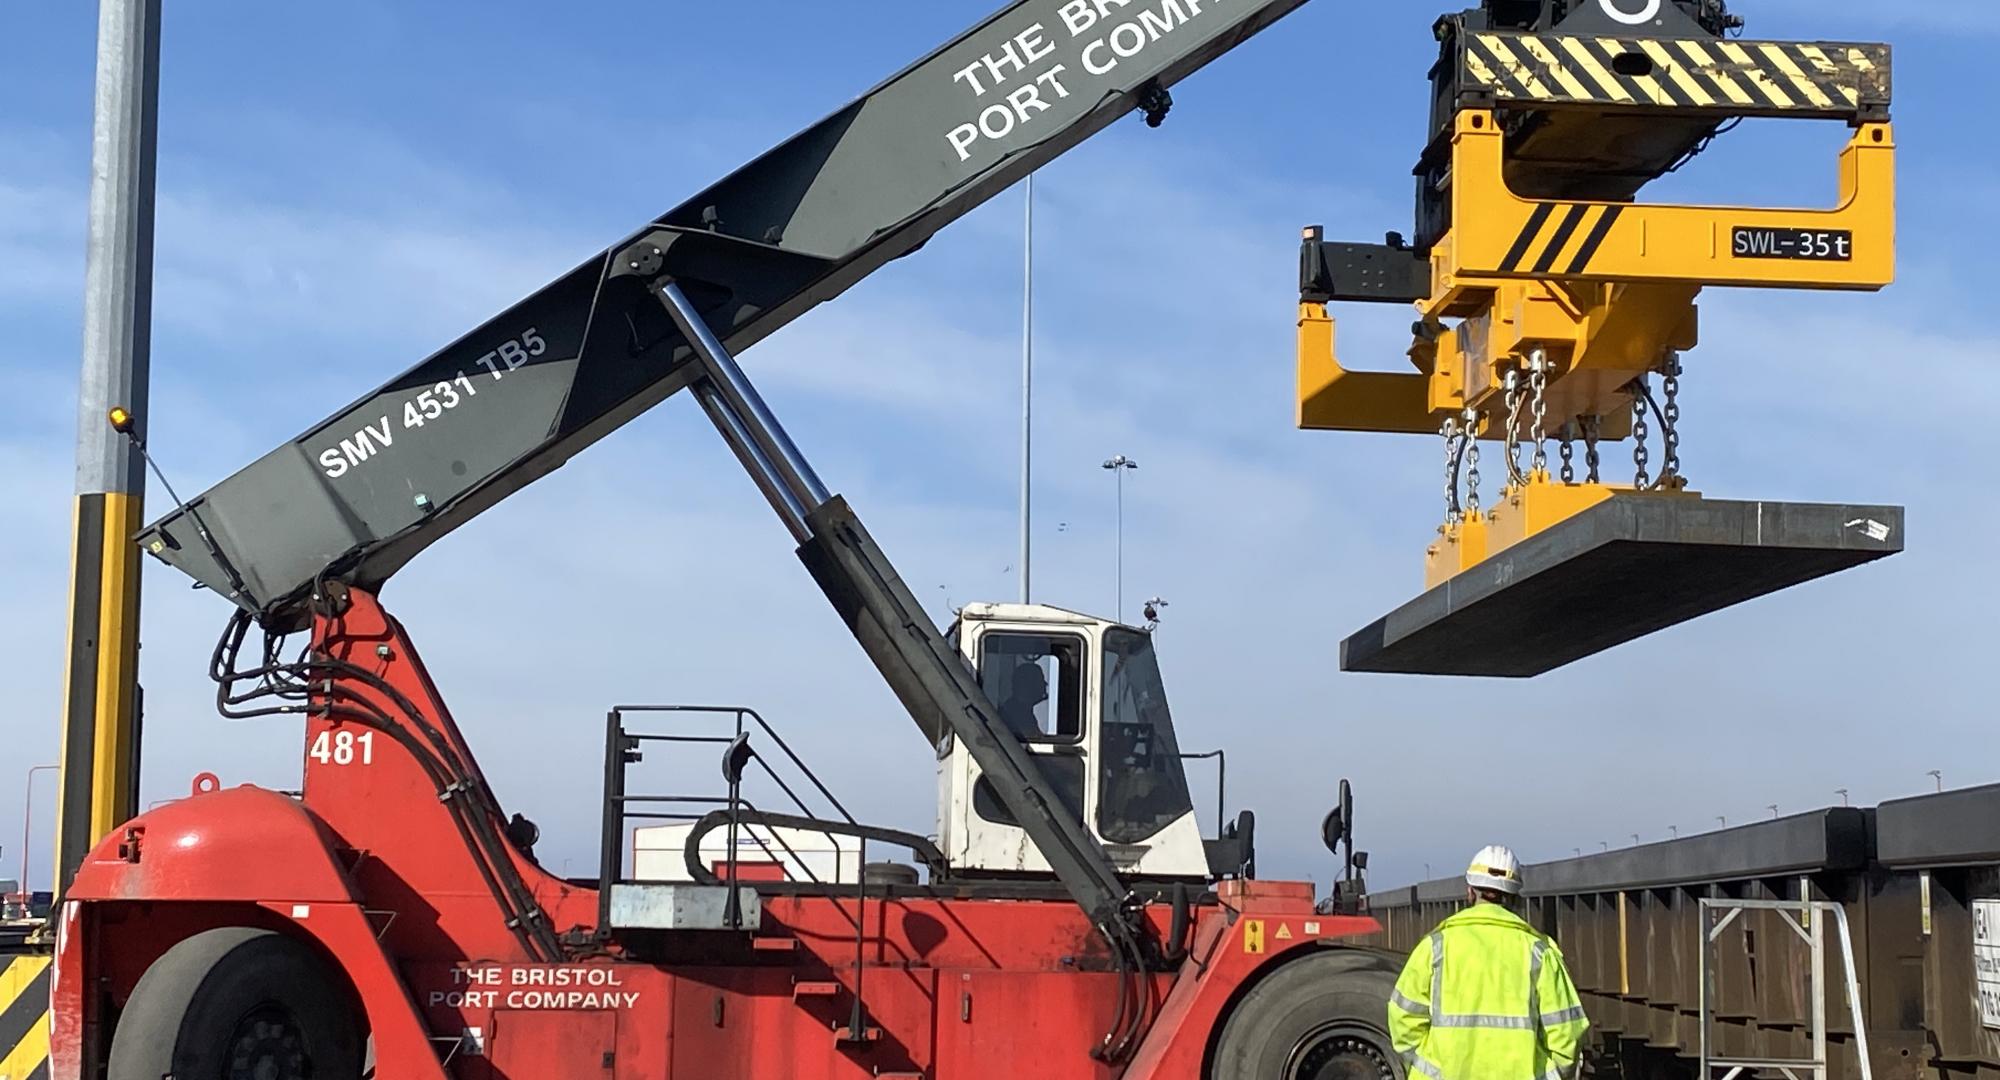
(100, 746)
(24, 1017)
(100, 752)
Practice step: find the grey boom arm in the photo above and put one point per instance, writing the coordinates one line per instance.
(360, 494)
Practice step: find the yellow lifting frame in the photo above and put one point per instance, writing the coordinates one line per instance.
(1604, 288)
(1497, 234)
(1605, 291)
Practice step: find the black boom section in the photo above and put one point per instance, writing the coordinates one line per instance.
(944, 697)
(362, 493)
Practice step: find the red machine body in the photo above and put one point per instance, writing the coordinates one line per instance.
(369, 867)
(390, 910)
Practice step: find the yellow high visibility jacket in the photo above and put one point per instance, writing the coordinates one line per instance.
(1486, 997)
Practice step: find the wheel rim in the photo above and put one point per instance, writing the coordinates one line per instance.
(268, 1044)
(1339, 1052)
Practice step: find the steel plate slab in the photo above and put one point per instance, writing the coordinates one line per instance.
(1621, 570)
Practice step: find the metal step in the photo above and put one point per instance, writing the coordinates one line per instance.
(1623, 569)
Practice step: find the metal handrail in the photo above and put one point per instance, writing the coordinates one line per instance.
(1221, 783)
(1812, 931)
(619, 744)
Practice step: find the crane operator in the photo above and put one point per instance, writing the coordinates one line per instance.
(1028, 688)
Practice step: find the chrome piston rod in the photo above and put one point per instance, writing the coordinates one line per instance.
(747, 424)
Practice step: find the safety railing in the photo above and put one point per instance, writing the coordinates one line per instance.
(1807, 919)
(1221, 783)
(624, 748)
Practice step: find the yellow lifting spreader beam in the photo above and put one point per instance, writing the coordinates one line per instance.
(1549, 300)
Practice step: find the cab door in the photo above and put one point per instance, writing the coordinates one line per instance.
(1039, 679)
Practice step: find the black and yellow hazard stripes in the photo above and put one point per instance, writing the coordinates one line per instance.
(1735, 77)
(1565, 249)
(24, 1017)
(99, 738)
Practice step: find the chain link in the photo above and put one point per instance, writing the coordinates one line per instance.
(1670, 412)
(1471, 462)
(1513, 437)
(1569, 452)
(1538, 388)
(1592, 425)
(1452, 449)
(1640, 456)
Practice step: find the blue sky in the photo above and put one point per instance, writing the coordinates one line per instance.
(342, 193)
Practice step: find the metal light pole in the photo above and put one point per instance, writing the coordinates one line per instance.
(1842, 792)
(27, 826)
(1937, 775)
(1027, 382)
(1674, 831)
(1121, 465)
(100, 747)
(1773, 808)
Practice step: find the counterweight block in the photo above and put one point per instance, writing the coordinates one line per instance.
(1628, 567)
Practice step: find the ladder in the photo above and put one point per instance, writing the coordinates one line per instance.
(1807, 919)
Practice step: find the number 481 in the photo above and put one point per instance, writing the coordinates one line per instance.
(343, 748)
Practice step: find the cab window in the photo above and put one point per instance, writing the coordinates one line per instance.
(1036, 681)
(1141, 786)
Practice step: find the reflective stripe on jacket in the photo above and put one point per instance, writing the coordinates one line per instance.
(1485, 997)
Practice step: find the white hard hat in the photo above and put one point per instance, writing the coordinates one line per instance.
(1495, 868)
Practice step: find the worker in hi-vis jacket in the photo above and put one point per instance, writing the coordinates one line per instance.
(1486, 996)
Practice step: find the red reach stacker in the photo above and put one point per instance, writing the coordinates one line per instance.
(1069, 919)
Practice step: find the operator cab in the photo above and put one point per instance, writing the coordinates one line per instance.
(1086, 698)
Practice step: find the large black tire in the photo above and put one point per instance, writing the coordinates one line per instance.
(237, 1004)
(1323, 1016)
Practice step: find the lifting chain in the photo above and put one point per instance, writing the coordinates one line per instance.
(1453, 449)
(1538, 389)
(1640, 456)
(1471, 462)
(1569, 452)
(1592, 425)
(1670, 418)
(1513, 436)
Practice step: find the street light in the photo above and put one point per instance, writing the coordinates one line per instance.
(1773, 808)
(1635, 839)
(1937, 775)
(1674, 831)
(1842, 792)
(27, 828)
(1121, 465)
(1722, 821)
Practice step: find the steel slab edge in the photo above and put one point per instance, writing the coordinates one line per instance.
(1623, 569)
